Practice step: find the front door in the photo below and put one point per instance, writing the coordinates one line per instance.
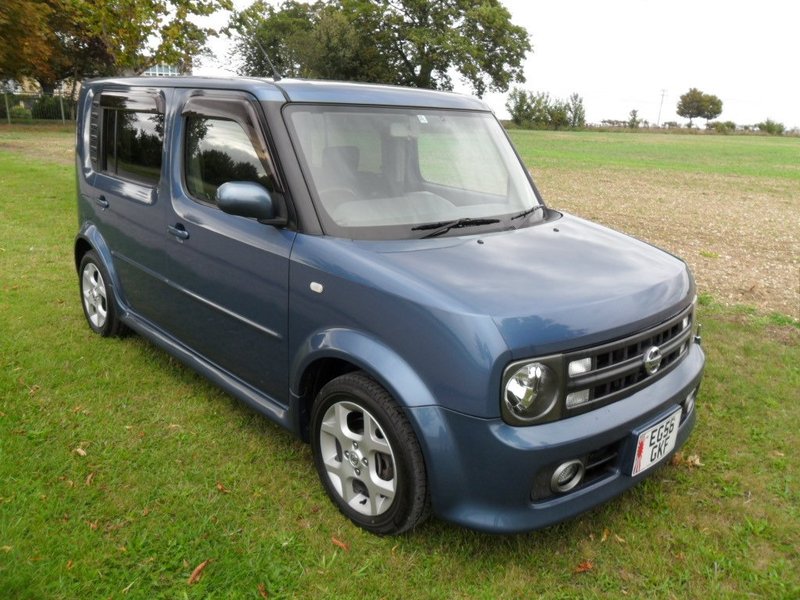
(228, 275)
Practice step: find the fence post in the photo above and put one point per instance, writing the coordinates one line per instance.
(8, 110)
(61, 102)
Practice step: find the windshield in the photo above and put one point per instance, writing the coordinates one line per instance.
(383, 173)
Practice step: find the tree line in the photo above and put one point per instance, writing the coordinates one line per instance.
(404, 42)
(537, 110)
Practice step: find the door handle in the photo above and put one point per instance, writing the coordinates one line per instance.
(101, 201)
(179, 231)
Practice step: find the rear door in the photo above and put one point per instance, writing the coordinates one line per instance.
(228, 275)
(126, 189)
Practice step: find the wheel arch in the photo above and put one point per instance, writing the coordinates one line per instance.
(89, 238)
(328, 354)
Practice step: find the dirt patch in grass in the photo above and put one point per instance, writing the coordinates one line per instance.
(47, 143)
(738, 234)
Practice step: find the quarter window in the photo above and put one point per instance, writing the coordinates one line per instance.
(132, 144)
(220, 150)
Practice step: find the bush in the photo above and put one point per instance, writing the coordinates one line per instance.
(20, 113)
(722, 126)
(531, 110)
(771, 127)
(46, 107)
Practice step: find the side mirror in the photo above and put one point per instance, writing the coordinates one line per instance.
(248, 199)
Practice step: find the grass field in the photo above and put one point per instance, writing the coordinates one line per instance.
(121, 472)
(728, 205)
(760, 156)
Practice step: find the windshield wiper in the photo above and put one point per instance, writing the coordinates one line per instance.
(528, 212)
(445, 226)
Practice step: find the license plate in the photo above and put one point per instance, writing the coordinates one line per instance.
(655, 443)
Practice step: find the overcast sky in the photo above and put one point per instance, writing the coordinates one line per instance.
(621, 55)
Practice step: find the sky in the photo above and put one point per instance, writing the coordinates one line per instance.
(621, 55)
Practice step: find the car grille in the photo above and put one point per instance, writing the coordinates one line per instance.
(618, 368)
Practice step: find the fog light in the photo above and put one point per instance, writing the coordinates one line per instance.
(567, 476)
(577, 398)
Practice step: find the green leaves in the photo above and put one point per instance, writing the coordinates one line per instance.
(538, 111)
(403, 42)
(87, 38)
(695, 103)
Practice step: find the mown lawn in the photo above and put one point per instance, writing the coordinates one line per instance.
(121, 471)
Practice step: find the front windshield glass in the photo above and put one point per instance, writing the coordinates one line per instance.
(383, 173)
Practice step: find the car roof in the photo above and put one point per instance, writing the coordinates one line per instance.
(306, 90)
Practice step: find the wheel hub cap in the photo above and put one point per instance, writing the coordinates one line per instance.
(358, 458)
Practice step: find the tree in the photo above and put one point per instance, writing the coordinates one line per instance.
(577, 113)
(633, 119)
(712, 108)
(26, 40)
(531, 110)
(140, 34)
(695, 103)
(519, 106)
(558, 114)
(404, 42)
(50, 40)
(284, 35)
(771, 127)
(690, 105)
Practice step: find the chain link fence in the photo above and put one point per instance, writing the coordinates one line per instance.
(37, 107)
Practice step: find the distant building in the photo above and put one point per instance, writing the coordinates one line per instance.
(165, 71)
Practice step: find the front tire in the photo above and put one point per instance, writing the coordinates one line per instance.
(97, 296)
(367, 456)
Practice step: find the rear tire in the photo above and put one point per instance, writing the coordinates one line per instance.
(367, 456)
(97, 296)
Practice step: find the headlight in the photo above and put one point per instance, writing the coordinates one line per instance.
(531, 390)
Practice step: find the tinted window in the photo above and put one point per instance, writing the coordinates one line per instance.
(218, 151)
(132, 143)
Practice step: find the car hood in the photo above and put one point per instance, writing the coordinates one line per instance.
(556, 285)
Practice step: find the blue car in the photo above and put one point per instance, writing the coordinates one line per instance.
(373, 268)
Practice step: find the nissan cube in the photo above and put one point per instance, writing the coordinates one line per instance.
(373, 268)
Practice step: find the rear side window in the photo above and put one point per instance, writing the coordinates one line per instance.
(132, 144)
(131, 136)
(219, 150)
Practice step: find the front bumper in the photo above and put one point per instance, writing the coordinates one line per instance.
(487, 475)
